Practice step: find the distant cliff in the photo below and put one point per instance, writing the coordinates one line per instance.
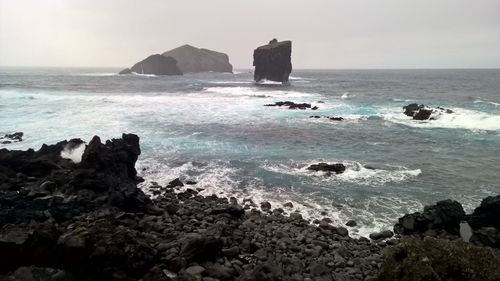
(155, 64)
(192, 59)
(273, 61)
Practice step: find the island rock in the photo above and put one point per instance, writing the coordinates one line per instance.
(273, 61)
(155, 64)
(191, 59)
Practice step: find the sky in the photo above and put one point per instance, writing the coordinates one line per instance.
(347, 34)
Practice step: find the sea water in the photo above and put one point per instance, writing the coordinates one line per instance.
(214, 129)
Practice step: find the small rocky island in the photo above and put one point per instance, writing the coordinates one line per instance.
(184, 59)
(273, 61)
(155, 64)
(191, 59)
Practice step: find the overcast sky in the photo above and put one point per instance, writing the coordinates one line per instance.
(325, 33)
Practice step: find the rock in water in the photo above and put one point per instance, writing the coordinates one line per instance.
(338, 168)
(192, 59)
(273, 61)
(436, 259)
(155, 64)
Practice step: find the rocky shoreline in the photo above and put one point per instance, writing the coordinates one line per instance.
(61, 220)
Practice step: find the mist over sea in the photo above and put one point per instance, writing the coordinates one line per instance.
(214, 129)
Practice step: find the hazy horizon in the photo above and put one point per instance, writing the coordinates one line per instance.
(388, 34)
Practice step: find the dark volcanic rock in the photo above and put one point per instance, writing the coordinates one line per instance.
(192, 59)
(8, 138)
(487, 214)
(291, 105)
(175, 183)
(436, 259)
(157, 65)
(338, 168)
(198, 248)
(273, 61)
(412, 108)
(421, 112)
(445, 215)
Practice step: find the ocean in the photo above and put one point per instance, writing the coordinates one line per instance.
(214, 129)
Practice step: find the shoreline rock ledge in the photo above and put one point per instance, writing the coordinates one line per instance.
(273, 61)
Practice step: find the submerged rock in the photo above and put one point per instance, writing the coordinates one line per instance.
(155, 64)
(9, 138)
(338, 168)
(191, 59)
(414, 259)
(273, 61)
(291, 105)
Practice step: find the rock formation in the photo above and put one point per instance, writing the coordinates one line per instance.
(443, 220)
(192, 59)
(155, 64)
(338, 168)
(14, 137)
(421, 112)
(292, 105)
(273, 61)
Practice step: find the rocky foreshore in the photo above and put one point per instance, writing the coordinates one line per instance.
(61, 220)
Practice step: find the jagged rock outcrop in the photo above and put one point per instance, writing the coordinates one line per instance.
(447, 219)
(445, 215)
(273, 61)
(155, 64)
(14, 137)
(431, 259)
(191, 59)
(421, 112)
(37, 185)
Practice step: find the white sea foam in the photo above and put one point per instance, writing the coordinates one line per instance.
(460, 119)
(144, 75)
(487, 102)
(222, 179)
(73, 153)
(347, 95)
(256, 92)
(355, 172)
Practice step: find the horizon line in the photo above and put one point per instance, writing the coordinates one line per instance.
(298, 68)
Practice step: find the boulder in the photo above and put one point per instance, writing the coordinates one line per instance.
(17, 136)
(191, 59)
(381, 235)
(430, 259)
(486, 214)
(422, 114)
(273, 61)
(338, 168)
(445, 215)
(200, 248)
(412, 108)
(155, 64)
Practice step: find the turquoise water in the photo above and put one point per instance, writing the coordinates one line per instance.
(214, 129)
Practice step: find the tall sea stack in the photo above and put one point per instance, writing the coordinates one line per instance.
(273, 61)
